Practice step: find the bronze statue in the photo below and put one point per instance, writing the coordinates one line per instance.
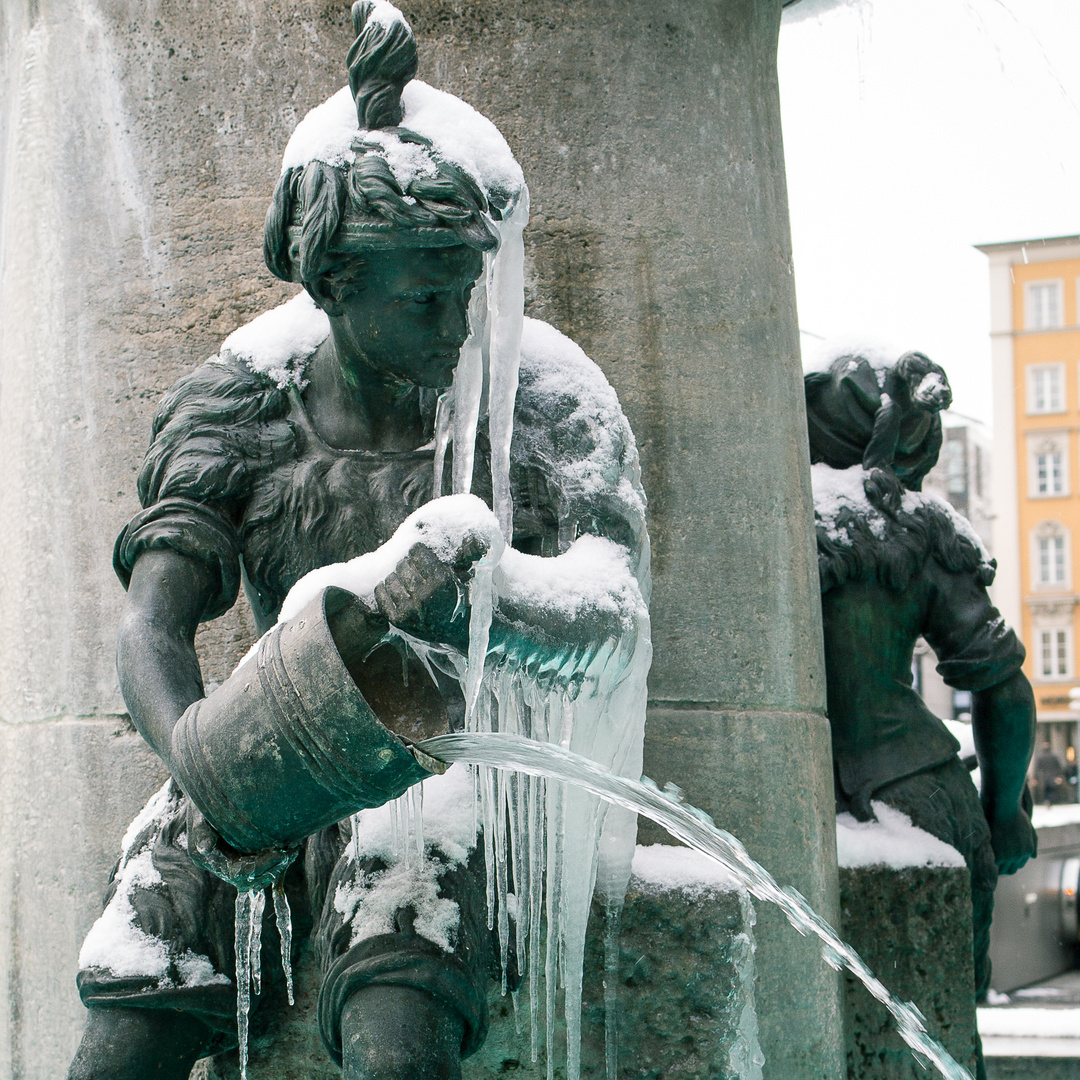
(307, 441)
(896, 565)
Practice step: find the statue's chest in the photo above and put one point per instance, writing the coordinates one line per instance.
(324, 506)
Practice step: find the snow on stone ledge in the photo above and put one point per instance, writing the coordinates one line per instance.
(1047, 817)
(890, 841)
(665, 868)
(1030, 1023)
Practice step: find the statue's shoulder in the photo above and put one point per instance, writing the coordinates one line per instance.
(565, 404)
(216, 425)
(569, 424)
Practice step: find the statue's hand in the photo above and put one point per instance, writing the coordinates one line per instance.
(428, 597)
(1013, 838)
(208, 850)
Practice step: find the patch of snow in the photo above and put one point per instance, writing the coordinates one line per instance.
(115, 943)
(890, 841)
(278, 343)
(325, 134)
(370, 901)
(155, 808)
(458, 134)
(843, 489)
(444, 524)
(592, 575)
(667, 868)
(462, 135)
(836, 489)
(994, 998)
(1030, 1023)
(1047, 817)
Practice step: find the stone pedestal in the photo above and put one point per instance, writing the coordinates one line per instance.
(913, 927)
(142, 144)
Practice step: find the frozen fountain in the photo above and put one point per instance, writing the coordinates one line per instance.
(658, 241)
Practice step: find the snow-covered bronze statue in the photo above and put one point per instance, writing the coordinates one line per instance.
(893, 569)
(434, 508)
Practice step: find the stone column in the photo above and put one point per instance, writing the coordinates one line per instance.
(141, 143)
(650, 137)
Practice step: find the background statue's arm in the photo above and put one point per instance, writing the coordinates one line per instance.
(1003, 723)
(978, 651)
(155, 654)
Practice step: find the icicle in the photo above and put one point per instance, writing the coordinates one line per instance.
(506, 304)
(242, 948)
(481, 607)
(745, 1057)
(444, 419)
(500, 873)
(536, 896)
(416, 812)
(283, 918)
(469, 388)
(555, 838)
(258, 906)
(612, 916)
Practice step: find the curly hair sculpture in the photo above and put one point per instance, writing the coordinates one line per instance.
(302, 238)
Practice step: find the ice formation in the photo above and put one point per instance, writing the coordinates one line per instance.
(586, 693)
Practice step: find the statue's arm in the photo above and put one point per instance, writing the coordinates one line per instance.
(155, 653)
(979, 652)
(1003, 723)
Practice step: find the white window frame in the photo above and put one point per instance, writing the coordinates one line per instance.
(1050, 531)
(1047, 405)
(1053, 652)
(1048, 444)
(1030, 305)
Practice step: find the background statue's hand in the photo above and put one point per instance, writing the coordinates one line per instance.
(1013, 838)
(428, 597)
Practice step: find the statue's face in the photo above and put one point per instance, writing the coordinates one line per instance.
(410, 318)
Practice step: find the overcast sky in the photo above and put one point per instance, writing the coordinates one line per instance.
(914, 129)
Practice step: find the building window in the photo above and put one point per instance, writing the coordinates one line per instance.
(1048, 465)
(1044, 309)
(1055, 652)
(1050, 554)
(1046, 388)
(955, 467)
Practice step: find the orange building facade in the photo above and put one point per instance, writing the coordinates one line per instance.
(1035, 341)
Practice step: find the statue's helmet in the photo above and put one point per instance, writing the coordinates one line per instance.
(388, 161)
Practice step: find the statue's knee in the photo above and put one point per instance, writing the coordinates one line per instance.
(400, 1033)
(131, 1044)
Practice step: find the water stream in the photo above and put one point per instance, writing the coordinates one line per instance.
(695, 829)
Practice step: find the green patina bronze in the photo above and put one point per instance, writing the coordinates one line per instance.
(894, 567)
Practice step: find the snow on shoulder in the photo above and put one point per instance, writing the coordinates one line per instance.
(569, 418)
(278, 343)
(666, 868)
(837, 490)
(890, 841)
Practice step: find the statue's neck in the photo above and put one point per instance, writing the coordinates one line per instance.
(353, 407)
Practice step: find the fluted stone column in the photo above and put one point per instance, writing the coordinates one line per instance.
(141, 142)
